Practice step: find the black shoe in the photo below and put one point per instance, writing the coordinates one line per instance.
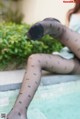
(42, 28)
(36, 32)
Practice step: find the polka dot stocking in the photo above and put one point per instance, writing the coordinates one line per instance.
(52, 63)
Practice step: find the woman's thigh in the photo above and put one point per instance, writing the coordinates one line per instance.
(55, 63)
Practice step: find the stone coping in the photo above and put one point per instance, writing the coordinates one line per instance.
(12, 80)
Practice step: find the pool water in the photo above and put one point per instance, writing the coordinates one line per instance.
(59, 101)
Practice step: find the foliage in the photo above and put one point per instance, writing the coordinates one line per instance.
(15, 47)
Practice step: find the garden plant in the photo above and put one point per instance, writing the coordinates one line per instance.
(15, 47)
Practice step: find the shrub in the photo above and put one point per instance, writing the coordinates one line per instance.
(15, 47)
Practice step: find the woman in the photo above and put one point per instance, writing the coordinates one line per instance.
(73, 18)
(73, 22)
(50, 62)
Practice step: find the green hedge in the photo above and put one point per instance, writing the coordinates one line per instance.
(15, 47)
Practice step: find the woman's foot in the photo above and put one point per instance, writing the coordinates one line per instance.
(36, 32)
(17, 114)
(49, 26)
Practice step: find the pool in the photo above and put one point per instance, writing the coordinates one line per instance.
(56, 98)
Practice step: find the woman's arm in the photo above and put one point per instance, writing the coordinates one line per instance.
(66, 20)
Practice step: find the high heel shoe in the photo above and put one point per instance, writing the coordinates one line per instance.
(49, 26)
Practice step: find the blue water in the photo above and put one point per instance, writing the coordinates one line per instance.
(67, 107)
(60, 101)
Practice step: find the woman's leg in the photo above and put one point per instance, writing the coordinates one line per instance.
(72, 40)
(32, 78)
(54, 28)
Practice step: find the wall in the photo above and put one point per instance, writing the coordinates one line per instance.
(5, 6)
(35, 10)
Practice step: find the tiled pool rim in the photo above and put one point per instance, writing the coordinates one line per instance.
(11, 80)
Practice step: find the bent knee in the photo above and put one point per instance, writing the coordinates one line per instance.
(34, 59)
